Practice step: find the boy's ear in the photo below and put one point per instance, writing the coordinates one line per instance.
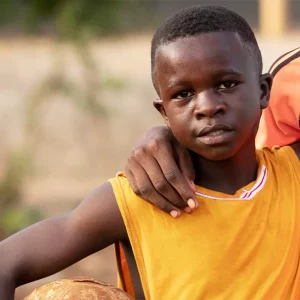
(158, 104)
(266, 81)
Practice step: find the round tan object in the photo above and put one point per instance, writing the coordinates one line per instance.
(78, 289)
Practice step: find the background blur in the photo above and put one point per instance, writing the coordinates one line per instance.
(76, 93)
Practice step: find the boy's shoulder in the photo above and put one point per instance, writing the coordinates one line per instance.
(279, 158)
(126, 198)
(120, 185)
(277, 150)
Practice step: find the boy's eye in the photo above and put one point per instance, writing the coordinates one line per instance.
(182, 95)
(227, 85)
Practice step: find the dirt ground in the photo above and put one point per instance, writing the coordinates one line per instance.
(74, 152)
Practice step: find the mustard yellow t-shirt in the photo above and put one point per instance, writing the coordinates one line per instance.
(240, 247)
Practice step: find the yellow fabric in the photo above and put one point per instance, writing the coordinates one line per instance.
(232, 249)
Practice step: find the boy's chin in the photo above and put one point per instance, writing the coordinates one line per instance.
(218, 153)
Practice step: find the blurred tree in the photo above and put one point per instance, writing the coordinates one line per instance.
(63, 17)
(12, 217)
(73, 21)
(68, 18)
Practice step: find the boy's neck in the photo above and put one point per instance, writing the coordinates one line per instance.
(230, 175)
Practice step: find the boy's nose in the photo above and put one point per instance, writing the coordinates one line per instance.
(209, 106)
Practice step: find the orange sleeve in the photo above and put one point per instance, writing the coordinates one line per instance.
(280, 121)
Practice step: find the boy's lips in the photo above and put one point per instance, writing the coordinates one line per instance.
(213, 129)
(216, 134)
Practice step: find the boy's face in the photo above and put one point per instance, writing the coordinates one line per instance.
(211, 93)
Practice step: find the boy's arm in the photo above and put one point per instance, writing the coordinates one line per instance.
(54, 244)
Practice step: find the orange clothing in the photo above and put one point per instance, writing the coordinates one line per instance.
(245, 246)
(279, 124)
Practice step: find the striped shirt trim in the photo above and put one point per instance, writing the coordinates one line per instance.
(245, 195)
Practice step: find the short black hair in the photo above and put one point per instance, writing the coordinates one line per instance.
(197, 20)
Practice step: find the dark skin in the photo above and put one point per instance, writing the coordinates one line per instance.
(205, 97)
(162, 144)
(213, 88)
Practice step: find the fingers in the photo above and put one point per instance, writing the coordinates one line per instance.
(131, 178)
(159, 181)
(185, 164)
(160, 170)
(165, 157)
(143, 187)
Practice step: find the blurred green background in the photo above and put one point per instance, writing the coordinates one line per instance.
(70, 19)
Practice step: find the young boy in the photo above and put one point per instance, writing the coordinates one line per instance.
(160, 170)
(243, 242)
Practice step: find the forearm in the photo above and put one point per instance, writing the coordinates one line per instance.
(7, 288)
(38, 251)
(54, 244)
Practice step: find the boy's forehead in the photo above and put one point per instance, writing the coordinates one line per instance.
(224, 49)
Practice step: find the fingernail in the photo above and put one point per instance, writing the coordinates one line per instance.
(188, 210)
(191, 203)
(174, 213)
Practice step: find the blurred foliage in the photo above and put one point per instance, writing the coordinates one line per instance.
(74, 22)
(85, 96)
(15, 219)
(12, 217)
(17, 166)
(73, 18)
